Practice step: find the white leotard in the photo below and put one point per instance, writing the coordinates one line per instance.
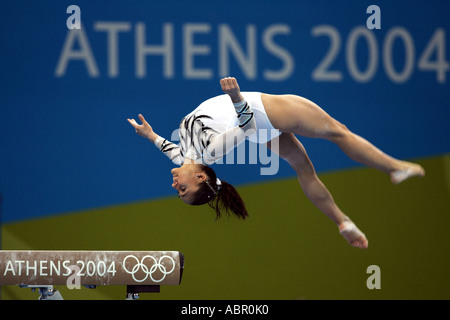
(215, 127)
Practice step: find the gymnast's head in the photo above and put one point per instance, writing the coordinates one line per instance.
(197, 184)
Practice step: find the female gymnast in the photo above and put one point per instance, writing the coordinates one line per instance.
(219, 124)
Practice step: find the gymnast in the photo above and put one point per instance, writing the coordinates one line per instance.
(221, 123)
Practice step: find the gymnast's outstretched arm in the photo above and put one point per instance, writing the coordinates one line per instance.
(170, 149)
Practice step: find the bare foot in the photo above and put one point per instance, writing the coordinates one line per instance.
(353, 235)
(409, 170)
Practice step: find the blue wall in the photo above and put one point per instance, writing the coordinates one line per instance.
(65, 144)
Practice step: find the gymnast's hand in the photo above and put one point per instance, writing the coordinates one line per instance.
(144, 129)
(230, 86)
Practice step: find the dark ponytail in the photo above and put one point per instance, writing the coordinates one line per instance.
(223, 197)
(228, 199)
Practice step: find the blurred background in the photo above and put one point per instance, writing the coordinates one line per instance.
(75, 176)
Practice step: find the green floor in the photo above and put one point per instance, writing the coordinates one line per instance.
(286, 250)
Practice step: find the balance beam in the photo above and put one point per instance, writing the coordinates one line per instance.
(91, 268)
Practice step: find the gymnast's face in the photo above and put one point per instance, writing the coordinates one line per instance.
(186, 180)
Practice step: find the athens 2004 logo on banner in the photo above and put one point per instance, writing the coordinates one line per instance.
(90, 267)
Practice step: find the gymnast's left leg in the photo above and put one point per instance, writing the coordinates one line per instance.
(291, 113)
(292, 151)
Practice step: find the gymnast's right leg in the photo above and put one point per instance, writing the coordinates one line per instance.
(293, 152)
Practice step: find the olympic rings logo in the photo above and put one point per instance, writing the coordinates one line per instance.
(149, 271)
